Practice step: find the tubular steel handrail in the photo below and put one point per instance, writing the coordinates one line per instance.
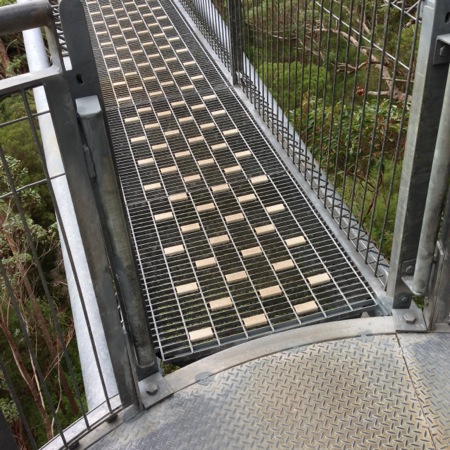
(20, 17)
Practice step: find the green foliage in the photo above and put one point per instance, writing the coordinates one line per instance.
(7, 406)
(276, 76)
(30, 297)
(12, 53)
(330, 67)
(17, 141)
(35, 313)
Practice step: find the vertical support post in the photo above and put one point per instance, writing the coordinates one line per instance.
(236, 50)
(437, 306)
(62, 110)
(437, 190)
(428, 93)
(111, 209)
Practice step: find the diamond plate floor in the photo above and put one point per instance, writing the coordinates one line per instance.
(379, 392)
(428, 360)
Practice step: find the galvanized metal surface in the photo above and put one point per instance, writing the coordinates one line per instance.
(426, 105)
(437, 191)
(428, 360)
(49, 326)
(16, 18)
(437, 306)
(200, 180)
(349, 393)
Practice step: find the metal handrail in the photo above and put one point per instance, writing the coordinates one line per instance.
(24, 16)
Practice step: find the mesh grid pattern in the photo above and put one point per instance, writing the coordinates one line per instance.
(228, 245)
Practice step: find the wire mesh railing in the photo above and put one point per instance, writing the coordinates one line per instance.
(57, 379)
(333, 80)
(41, 388)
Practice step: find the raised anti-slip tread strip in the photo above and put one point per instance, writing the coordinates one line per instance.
(201, 335)
(255, 321)
(205, 263)
(283, 265)
(190, 228)
(306, 308)
(187, 288)
(220, 304)
(318, 280)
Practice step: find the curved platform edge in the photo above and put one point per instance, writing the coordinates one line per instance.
(248, 351)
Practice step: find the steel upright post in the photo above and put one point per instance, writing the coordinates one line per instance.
(428, 93)
(236, 50)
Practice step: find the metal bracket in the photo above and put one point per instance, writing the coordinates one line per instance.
(442, 50)
(154, 390)
(409, 320)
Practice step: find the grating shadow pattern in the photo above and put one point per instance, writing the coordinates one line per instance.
(228, 245)
(345, 394)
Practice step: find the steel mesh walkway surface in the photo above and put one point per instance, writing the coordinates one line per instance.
(228, 245)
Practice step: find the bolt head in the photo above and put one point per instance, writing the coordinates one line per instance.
(151, 389)
(409, 317)
(444, 50)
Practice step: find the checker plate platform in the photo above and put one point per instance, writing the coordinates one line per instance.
(367, 392)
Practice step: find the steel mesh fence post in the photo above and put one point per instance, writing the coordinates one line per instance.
(236, 50)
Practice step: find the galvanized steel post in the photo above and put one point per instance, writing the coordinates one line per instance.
(63, 113)
(85, 88)
(437, 305)
(235, 29)
(25, 16)
(427, 98)
(437, 190)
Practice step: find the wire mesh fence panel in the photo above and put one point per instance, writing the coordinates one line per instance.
(37, 330)
(41, 384)
(211, 18)
(333, 80)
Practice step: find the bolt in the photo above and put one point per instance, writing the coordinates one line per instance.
(112, 418)
(151, 389)
(444, 50)
(404, 299)
(409, 270)
(409, 317)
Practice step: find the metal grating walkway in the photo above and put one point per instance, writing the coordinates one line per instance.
(228, 245)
